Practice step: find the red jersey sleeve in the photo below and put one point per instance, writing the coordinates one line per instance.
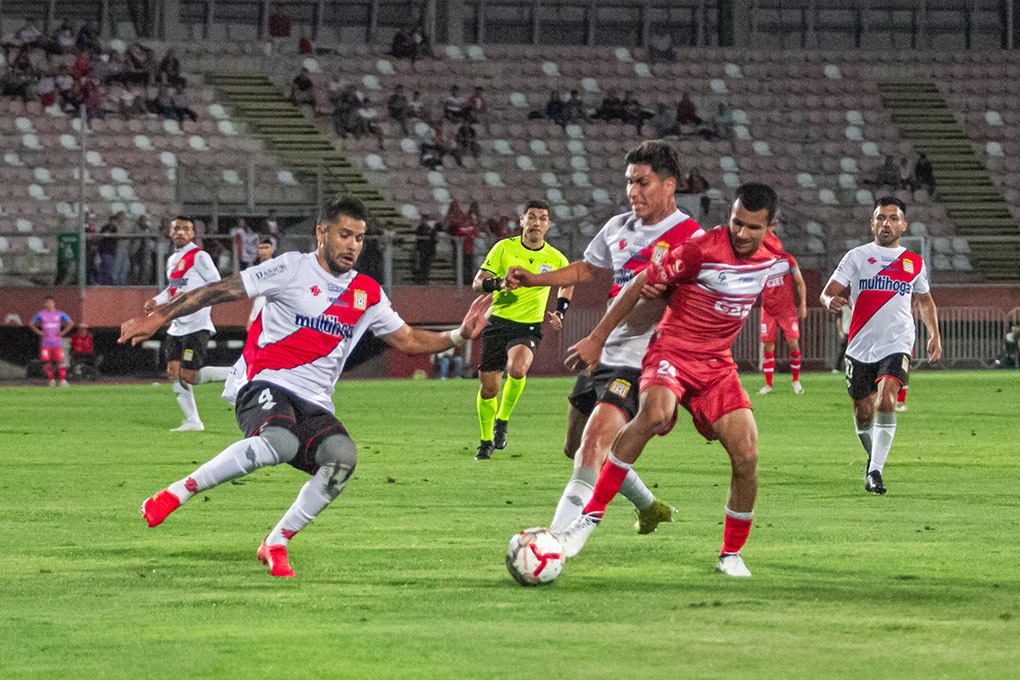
(681, 265)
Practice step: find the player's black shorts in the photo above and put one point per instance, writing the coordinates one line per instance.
(615, 385)
(261, 404)
(500, 335)
(862, 379)
(188, 349)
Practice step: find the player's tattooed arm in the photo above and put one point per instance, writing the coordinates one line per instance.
(417, 340)
(142, 327)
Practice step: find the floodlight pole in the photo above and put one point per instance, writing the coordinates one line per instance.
(82, 197)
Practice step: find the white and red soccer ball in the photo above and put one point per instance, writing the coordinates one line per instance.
(534, 557)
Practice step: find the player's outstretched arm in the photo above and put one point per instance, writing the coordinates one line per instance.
(416, 340)
(142, 327)
(930, 316)
(575, 272)
(587, 352)
(832, 297)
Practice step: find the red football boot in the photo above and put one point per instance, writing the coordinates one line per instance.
(155, 509)
(275, 557)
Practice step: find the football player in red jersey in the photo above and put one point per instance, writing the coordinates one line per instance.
(777, 310)
(712, 282)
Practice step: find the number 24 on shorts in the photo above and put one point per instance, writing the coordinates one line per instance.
(666, 368)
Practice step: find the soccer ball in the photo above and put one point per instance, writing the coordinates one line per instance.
(534, 557)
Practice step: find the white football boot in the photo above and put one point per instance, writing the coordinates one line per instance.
(732, 564)
(575, 535)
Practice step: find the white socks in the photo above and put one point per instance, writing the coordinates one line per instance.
(635, 491)
(576, 495)
(311, 500)
(885, 430)
(237, 460)
(212, 374)
(186, 400)
(865, 434)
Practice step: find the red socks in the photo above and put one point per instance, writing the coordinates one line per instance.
(736, 529)
(902, 396)
(769, 367)
(795, 365)
(63, 373)
(606, 488)
(49, 370)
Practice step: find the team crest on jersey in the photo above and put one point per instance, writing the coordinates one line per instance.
(180, 265)
(543, 268)
(360, 300)
(620, 388)
(659, 252)
(908, 266)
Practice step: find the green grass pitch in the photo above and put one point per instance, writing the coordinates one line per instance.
(403, 577)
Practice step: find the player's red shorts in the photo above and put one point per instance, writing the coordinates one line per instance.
(52, 354)
(707, 388)
(791, 329)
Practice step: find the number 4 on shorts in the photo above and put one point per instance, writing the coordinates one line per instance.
(266, 399)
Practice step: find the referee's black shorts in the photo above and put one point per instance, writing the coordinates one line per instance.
(500, 335)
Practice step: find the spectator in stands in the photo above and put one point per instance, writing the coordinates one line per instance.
(924, 173)
(87, 41)
(371, 261)
(47, 89)
(302, 89)
(169, 71)
(495, 227)
(368, 122)
(424, 250)
(107, 249)
(416, 107)
(887, 175)
(245, 244)
(122, 259)
(24, 39)
(402, 47)
(466, 142)
(554, 110)
(611, 107)
(20, 79)
(664, 122)
(573, 109)
(143, 253)
(456, 107)
(421, 46)
(139, 64)
(633, 113)
(696, 184)
(905, 176)
(686, 112)
(83, 357)
(478, 107)
(272, 228)
(1011, 342)
(279, 27)
(454, 217)
(127, 102)
(345, 113)
(64, 83)
(723, 123)
(467, 230)
(443, 360)
(398, 108)
(179, 108)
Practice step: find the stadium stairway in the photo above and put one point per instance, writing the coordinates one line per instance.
(300, 145)
(973, 202)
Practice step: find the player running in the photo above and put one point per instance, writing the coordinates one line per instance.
(515, 328)
(188, 269)
(883, 278)
(51, 325)
(606, 398)
(317, 308)
(712, 282)
(777, 309)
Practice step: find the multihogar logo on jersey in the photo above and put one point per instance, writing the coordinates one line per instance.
(883, 283)
(324, 323)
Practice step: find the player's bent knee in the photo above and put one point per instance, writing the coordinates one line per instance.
(282, 441)
(339, 455)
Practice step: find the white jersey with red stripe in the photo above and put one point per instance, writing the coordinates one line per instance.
(309, 326)
(627, 246)
(881, 281)
(189, 268)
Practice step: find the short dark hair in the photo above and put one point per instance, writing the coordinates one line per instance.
(537, 204)
(265, 241)
(332, 209)
(890, 200)
(50, 297)
(755, 196)
(660, 155)
(183, 218)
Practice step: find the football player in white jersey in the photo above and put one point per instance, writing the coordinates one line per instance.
(603, 401)
(188, 268)
(317, 308)
(879, 280)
